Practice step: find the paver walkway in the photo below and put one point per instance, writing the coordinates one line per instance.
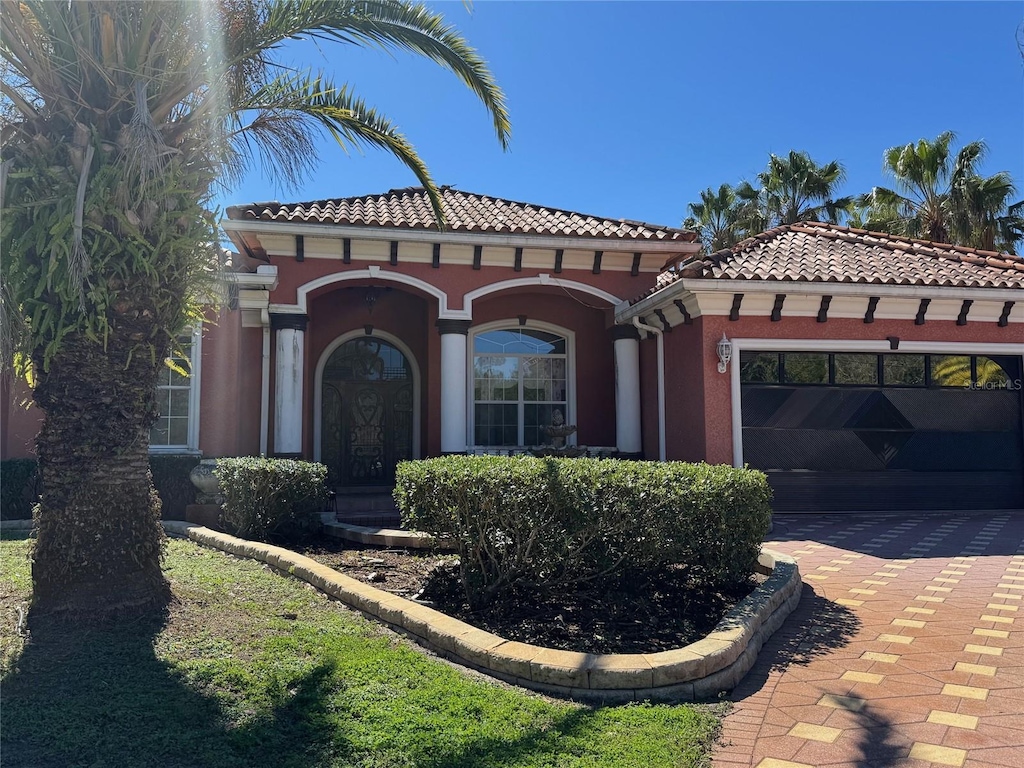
(906, 649)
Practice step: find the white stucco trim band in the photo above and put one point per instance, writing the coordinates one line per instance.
(694, 291)
(235, 228)
(541, 279)
(840, 345)
(371, 273)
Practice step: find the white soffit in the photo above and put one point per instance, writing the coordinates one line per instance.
(849, 300)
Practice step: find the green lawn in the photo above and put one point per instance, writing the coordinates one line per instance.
(250, 668)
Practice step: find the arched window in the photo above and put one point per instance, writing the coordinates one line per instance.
(520, 378)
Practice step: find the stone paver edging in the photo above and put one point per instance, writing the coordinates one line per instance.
(698, 671)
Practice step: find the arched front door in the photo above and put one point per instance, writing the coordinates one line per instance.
(367, 412)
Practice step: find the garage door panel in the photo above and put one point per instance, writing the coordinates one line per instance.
(958, 410)
(876, 438)
(802, 407)
(888, 491)
(960, 451)
(813, 449)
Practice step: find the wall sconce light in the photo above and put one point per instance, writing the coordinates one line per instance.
(724, 350)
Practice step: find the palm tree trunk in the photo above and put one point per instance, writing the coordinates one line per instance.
(100, 541)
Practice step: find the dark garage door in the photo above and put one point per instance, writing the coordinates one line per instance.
(867, 432)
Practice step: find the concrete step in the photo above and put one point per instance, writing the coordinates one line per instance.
(371, 519)
(365, 503)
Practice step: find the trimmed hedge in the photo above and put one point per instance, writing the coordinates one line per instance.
(18, 491)
(271, 499)
(171, 480)
(554, 524)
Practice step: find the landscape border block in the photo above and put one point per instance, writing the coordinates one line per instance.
(700, 670)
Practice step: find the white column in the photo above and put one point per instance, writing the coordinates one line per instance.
(627, 389)
(289, 333)
(454, 406)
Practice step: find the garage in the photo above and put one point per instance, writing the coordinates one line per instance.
(854, 431)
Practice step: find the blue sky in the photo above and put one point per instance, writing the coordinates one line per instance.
(629, 109)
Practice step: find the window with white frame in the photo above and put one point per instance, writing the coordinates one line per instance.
(177, 397)
(520, 378)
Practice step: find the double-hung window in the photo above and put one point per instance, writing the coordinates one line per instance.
(176, 429)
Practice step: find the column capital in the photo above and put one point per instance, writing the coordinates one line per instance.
(624, 332)
(282, 320)
(453, 326)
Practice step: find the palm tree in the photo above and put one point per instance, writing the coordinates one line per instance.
(983, 215)
(121, 116)
(793, 188)
(715, 218)
(942, 197)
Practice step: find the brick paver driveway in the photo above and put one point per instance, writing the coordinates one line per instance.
(905, 650)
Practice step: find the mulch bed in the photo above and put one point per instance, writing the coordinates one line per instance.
(656, 615)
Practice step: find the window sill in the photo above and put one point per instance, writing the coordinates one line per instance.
(173, 450)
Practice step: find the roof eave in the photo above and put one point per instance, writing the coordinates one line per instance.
(663, 297)
(514, 239)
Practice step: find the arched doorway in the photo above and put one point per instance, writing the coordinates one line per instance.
(368, 411)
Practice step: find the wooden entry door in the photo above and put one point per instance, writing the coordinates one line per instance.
(367, 413)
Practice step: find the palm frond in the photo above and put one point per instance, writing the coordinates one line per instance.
(316, 102)
(388, 24)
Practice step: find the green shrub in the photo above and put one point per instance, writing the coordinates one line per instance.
(19, 490)
(271, 499)
(551, 524)
(171, 480)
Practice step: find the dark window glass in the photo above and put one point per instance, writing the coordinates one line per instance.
(805, 368)
(951, 370)
(856, 369)
(903, 370)
(497, 424)
(990, 374)
(759, 367)
(535, 419)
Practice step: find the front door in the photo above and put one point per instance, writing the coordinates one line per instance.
(367, 412)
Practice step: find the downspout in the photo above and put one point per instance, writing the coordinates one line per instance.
(660, 335)
(265, 384)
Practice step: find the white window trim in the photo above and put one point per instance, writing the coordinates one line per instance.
(195, 389)
(570, 375)
(318, 394)
(841, 345)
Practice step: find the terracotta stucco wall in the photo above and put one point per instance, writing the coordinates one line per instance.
(685, 438)
(454, 279)
(21, 420)
(219, 401)
(649, 398)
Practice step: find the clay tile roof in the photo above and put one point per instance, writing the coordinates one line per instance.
(410, 208)
(815, 252)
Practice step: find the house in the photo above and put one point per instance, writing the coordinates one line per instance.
(861, 371)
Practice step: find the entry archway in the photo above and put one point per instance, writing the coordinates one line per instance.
(367, 415)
